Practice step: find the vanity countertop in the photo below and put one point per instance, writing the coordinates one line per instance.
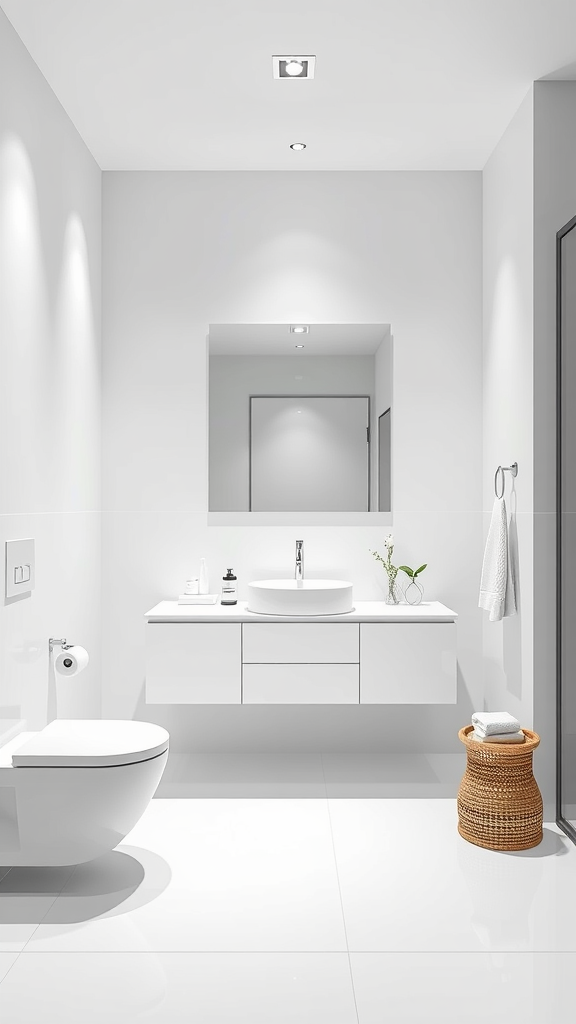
(364, 611)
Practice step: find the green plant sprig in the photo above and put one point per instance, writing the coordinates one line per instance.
(392, 570)
(412, 573)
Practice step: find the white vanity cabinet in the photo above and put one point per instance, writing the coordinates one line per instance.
(304, 643)
(373, 655)
(193, 663)
(300, 663)
(408, 663)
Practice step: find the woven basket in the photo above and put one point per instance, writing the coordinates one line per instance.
(499, 803)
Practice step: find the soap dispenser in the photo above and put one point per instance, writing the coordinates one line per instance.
(229, 588)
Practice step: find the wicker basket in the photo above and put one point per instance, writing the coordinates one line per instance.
(499, 803)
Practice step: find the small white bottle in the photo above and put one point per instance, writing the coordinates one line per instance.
(204, 584)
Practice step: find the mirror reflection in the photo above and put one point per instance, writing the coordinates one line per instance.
(300, 421)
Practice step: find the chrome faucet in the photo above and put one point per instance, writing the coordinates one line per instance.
(299, 570)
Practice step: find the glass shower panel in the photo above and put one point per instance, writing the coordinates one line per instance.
(567, 524)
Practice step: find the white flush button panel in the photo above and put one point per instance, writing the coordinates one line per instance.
(20, 567)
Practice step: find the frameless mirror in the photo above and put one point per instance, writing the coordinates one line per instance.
(300, 422)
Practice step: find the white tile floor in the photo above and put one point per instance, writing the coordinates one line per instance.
(315, 911)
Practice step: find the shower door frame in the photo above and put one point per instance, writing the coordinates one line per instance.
(561, 821)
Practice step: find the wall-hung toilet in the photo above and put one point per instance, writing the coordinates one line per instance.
(72, 791)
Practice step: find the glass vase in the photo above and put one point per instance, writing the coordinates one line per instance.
(392, 594)
(413, 592)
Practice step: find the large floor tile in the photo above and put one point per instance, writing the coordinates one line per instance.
(463, 987)
(178, 988)
(410, 882)
(215, 875)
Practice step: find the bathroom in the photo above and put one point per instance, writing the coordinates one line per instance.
(118, 251)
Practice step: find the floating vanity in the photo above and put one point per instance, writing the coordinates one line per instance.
(375, 654)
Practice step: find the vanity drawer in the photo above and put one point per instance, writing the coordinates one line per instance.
(193, 663)
(301, 684)
(408, 663)
(301, 642)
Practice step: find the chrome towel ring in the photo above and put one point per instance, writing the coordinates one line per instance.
(504, 469)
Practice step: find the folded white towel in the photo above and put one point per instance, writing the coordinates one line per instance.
(491, 722)
(497, 590)
(499, 737)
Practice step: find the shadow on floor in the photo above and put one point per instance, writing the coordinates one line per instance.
(552, 845)
(113, 884)
(278, 775)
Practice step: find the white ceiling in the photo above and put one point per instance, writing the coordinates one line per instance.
(277, 340)
(183, 84)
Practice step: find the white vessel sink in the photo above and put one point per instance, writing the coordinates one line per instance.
(308, 597)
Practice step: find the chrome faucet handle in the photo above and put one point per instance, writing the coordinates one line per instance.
(299, 570)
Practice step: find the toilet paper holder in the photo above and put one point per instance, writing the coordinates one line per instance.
(70, 660)
(52, 643)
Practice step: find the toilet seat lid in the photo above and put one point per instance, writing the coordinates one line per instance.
(69, 743)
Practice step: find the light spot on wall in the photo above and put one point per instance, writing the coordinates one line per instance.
(23, 325)
(509, 337)
(296, 275)
(76, 392)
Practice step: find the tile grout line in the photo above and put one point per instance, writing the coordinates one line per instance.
(16, 958)
(20, 951)
(57, 897)
(17, 951)
(339, 890)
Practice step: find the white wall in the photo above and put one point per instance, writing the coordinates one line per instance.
(50, 257)
(182, 250)
(554, 206)
(232, 379)
(508, 198)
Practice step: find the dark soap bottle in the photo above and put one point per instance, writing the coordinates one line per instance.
(229, 589)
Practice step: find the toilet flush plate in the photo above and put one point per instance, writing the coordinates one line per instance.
(20, 567)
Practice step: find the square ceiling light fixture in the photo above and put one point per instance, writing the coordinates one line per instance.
(288, 66)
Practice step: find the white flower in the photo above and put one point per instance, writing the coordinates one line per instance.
(389, 541)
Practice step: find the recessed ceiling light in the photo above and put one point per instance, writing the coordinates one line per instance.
(299, 328)
(297, 146)
(298, 346)
(292, 65)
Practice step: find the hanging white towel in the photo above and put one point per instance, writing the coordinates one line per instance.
(497, 584)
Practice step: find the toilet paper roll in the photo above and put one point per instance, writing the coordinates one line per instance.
(72, 661)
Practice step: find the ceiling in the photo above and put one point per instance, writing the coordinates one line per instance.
(277, 339)
(400, 84)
